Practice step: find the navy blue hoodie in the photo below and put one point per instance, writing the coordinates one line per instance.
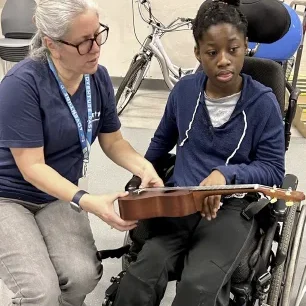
(248, 149)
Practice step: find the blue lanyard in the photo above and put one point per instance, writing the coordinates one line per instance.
(85, 141)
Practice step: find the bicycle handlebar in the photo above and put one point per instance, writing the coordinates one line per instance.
(171, 27)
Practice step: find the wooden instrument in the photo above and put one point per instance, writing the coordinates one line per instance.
(145, 203)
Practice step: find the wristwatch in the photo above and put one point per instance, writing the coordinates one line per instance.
(75, 202)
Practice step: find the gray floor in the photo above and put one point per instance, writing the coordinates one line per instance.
(139, 122)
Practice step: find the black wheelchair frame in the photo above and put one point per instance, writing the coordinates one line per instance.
(263, 275)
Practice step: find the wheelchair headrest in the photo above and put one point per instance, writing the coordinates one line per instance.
(268, 20)
(268, 73)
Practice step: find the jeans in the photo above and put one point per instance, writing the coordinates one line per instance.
(47, 253)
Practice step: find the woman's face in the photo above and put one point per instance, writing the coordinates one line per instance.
(82, 28)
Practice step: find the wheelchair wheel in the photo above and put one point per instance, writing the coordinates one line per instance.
(282, 250)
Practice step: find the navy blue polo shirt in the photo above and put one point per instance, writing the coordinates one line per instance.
(34, 113)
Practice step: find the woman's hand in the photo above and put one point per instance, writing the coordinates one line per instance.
(211, 204)
(103, 207)
(149, 177)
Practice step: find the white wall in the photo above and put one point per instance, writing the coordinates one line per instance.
(122, 44)
(117, 53)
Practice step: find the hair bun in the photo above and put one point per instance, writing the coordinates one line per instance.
(232, 2)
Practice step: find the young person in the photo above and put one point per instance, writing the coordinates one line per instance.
(228, 130)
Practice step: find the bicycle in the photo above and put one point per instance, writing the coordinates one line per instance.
(152, 47)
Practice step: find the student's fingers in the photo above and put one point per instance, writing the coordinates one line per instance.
(205, 209)
(217, 203)
(211, 201)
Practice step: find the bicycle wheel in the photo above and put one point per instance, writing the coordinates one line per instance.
(131, 83)
(278, 273)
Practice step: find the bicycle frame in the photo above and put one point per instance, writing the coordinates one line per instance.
(153, 47)
(171, 73)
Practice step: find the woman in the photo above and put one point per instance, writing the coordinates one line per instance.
(53, 106)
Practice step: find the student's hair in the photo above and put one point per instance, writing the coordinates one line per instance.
(214, 12)
(52, 19)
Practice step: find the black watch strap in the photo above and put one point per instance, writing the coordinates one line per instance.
(75, 202)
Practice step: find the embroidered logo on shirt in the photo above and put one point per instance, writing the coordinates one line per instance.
(96, 116)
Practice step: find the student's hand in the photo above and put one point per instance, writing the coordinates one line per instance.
(103, 207)
(149, 177)
(211, 204)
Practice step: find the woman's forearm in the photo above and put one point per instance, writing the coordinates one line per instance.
(123, 154)
(51, 182)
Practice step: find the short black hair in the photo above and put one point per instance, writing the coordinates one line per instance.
(214, 12)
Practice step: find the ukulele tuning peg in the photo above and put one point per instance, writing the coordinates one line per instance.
(273, 200)
(274, 188)
(289, 203)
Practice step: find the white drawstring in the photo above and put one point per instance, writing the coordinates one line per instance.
(241, 139)
(190, 123)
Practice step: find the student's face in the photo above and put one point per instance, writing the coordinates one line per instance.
(85, 26)
(221, 53)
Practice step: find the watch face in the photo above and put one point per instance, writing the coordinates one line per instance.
(75, 206)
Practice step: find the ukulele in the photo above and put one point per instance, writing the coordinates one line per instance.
(146, 203)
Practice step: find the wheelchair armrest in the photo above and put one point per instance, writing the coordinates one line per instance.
(290, 113)
(294, 92)
(133, 183)
(164, 166)
(115, 253)
(279, 208)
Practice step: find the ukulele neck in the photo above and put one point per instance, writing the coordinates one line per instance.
(234, 188)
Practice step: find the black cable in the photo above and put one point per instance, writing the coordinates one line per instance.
(154, 18)
(134, 24)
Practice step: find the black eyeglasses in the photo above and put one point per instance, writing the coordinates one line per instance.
(85, 46)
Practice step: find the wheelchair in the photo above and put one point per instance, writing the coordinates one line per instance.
(265, 274)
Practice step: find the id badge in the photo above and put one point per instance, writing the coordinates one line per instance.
(83, 183)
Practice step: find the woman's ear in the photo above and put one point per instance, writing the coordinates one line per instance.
(197, 53)
(52, 47)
